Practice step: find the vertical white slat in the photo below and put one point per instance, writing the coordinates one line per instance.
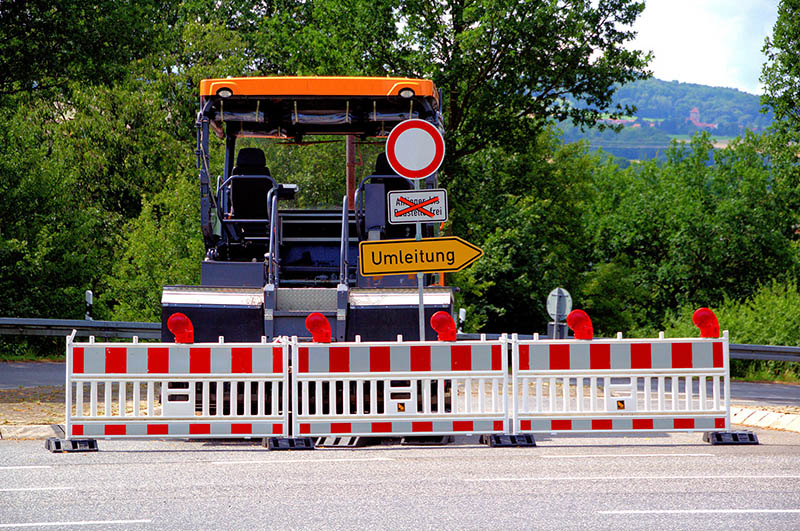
(440, 395)
(248, 399)
(593, 394)
(233, 398)
(137, 397)
(151, 399)
(426, 396)
(675, 391)
(551, 392)
(579, 392)
(346, 397)
(79, 399)
(163, 397)
(454, 406)
(715, 388)
(481, 392)
(360, 397)
(220, 397)
(495, 397)
(703, 393)
(689, 392)
(539, 393)
(525, 392)
(107, 399)
(467, 395)
(648, 391)
(606, 392)
(206, 398)
(661, 397)
(373, 397)
(275, 388)
(262, 406)
(386, 388)
(318, 402)
(304, 393)
(122, 398)
(565, 393)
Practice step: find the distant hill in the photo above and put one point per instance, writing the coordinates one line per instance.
(670, 109)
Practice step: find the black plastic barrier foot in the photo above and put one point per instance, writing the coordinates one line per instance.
(730, 437)
(58, 446)
(427, 440)
(508, 441)
(284, 443)
(341, 442)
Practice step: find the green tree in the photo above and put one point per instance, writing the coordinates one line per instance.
(781, 72)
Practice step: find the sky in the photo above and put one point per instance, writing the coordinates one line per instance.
(710, 42)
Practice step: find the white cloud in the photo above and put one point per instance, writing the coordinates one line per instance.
(711, 42)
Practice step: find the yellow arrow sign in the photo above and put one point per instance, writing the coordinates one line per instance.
(431, 255)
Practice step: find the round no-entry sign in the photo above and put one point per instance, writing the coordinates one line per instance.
(415, 149)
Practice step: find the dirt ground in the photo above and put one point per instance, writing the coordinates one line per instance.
(32, 405)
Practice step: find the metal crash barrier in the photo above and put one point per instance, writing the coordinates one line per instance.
(402, 388)
(164, 390)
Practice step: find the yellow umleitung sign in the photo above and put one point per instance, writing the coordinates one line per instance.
(431, 255)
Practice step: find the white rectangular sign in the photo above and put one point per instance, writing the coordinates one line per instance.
(417, 206)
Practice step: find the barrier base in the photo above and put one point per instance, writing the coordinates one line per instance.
(730, 437)
(508, 441)
(58, 446)
(341, 442)
(285, 443)
(430, 440)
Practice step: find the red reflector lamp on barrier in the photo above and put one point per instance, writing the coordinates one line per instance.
(444, 325)
(581, 324)
(707, 322)
(320, 328)
(182, 327)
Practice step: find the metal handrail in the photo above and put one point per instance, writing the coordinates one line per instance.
(272, 272)
(343, 265)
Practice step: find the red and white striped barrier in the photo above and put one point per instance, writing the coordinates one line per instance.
(394, 389)
(177, 390)
(620, 385)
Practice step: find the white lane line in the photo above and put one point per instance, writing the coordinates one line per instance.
(279, 461)
(567, 456)
(26, 489)
(705, 511)
(82, 522)
(612, 478)
(20, 467)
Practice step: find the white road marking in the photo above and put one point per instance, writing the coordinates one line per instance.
(279, 461)
(23, 467)
(25, 489)
(567, 456)
(82, 522)
(705, 511)
(611, 478)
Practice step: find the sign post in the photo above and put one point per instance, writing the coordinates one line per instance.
(415, 150)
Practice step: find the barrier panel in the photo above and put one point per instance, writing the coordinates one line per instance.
(400, 389)
(620, 385)
(160, 390)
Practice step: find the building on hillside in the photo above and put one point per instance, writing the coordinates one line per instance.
(694, 118)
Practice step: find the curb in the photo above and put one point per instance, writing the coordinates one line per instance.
(28, 432)
(764, 418)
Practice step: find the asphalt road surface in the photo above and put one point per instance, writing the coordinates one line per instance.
(672, 481)
(16, 374)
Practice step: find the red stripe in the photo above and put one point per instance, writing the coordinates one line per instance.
(602, 424)
(420, 358)
(303, 361)
(681, 355)
(199, 429)
(561, 425)
(77, 429)
(157, 429)
(200, 360)
(277, 429)
(341, 427)
(382, 427)
(497, 357)
(116, 360)
(461, 358)
(277, 360)
(719, 423)
(641, 357)
(525, 425)
(642, 424)
(600, 356)
(305, 428)
(683, 424)
(339, 359)
(421, 426)
(379, 359)
(245, 429)
(463, 425)
(77, 360)
(524, 357)
(241, 360)
(559, 357)
(498, 425)
(158, 360)
(719, 361)
(114, 429)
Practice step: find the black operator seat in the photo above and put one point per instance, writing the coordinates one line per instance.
(249, 185)
(385, 179)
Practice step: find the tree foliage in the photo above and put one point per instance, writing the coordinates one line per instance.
(781, 73)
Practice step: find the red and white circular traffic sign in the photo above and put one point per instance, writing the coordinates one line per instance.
(415, 149)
